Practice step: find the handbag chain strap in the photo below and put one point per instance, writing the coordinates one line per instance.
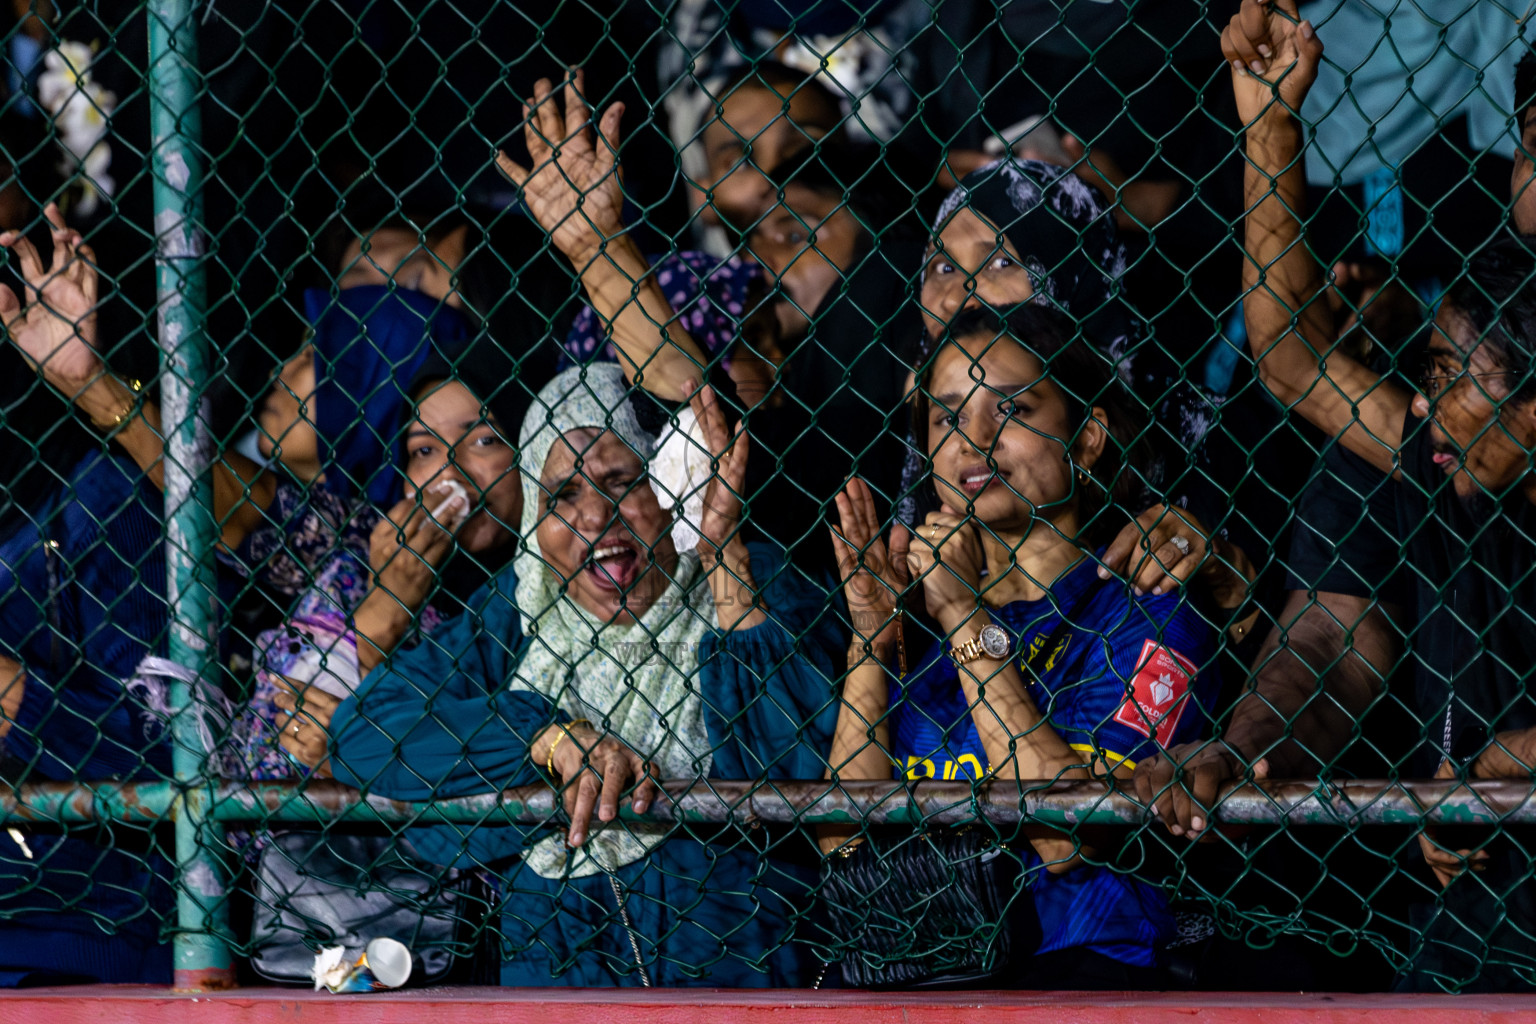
(629, 931)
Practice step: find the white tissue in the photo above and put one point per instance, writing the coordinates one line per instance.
(335, 671)
(679, 473)
(451, 489)
(330, 967)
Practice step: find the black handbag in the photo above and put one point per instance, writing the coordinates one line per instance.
(935, 909)
(336, 889)
(929, 910)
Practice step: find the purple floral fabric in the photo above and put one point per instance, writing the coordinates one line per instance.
(709, 296)
(313, 548)
(304, 528)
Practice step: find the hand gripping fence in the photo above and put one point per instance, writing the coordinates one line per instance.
(582, 490)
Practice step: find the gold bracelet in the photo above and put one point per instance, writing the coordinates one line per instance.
(565, 730)
(847, 849)
(132, 384)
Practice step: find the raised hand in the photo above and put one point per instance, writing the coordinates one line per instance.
(873, 577)
(573, 190)
(720, 520)
(947, 556)
(56, 328)
(407, 545)
(1274, 56)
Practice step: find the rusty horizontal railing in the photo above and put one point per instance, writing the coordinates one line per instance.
(1294, 802)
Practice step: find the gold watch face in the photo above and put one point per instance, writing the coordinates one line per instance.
(995, 641)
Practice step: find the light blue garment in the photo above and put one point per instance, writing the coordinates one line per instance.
(1378, 44)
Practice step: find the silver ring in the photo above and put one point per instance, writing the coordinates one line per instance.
(1181, 543)
(296, 727)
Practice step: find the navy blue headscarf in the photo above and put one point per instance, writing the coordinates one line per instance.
(369, 342)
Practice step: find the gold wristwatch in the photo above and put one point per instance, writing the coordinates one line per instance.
(992, 642)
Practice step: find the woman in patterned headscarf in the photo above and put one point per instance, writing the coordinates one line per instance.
(1022, 230)
(1026, 231)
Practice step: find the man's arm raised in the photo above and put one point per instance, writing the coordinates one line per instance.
(1274, 59)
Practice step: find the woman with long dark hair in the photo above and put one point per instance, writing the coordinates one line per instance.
(1043, 669)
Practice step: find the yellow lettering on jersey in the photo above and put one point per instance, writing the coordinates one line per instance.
(1037, 647)
(927, 768)
(914, 763)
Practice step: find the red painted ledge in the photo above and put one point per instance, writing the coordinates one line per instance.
(141, 1004)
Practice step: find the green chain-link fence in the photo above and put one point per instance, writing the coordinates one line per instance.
(1120, 576)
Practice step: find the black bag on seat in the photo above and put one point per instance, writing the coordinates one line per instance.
(935, 909)
(335, 889)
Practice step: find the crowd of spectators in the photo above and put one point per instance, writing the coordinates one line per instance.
(770, 391)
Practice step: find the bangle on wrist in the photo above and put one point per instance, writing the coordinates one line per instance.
(564, 731)
(135, 388)
(880, 649)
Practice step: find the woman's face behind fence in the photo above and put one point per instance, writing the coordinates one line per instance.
(602, 528)
(1000, 436)
(757, 129)
(807, 242)
(287, 418)
(972, 262)
(452, 440)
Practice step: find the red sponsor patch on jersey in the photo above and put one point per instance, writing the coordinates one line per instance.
(1159, 692)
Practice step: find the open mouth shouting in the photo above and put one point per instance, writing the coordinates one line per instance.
(614, 564)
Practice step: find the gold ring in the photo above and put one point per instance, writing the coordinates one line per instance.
(933, 531)
(296, 727)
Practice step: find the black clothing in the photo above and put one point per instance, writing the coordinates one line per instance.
(1344, 532)
(1475, 645)
(1474, 649)
(847, 376)
(1086, 970)
(791, 474)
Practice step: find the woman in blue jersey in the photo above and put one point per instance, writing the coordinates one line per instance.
(1045, 670)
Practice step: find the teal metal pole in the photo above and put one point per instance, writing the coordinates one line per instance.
(201, 954)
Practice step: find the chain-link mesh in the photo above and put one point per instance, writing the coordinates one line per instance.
(769, 494)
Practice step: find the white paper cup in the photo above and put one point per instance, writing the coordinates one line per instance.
(390, 962)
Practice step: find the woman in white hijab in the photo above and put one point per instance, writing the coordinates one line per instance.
(641, 662)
